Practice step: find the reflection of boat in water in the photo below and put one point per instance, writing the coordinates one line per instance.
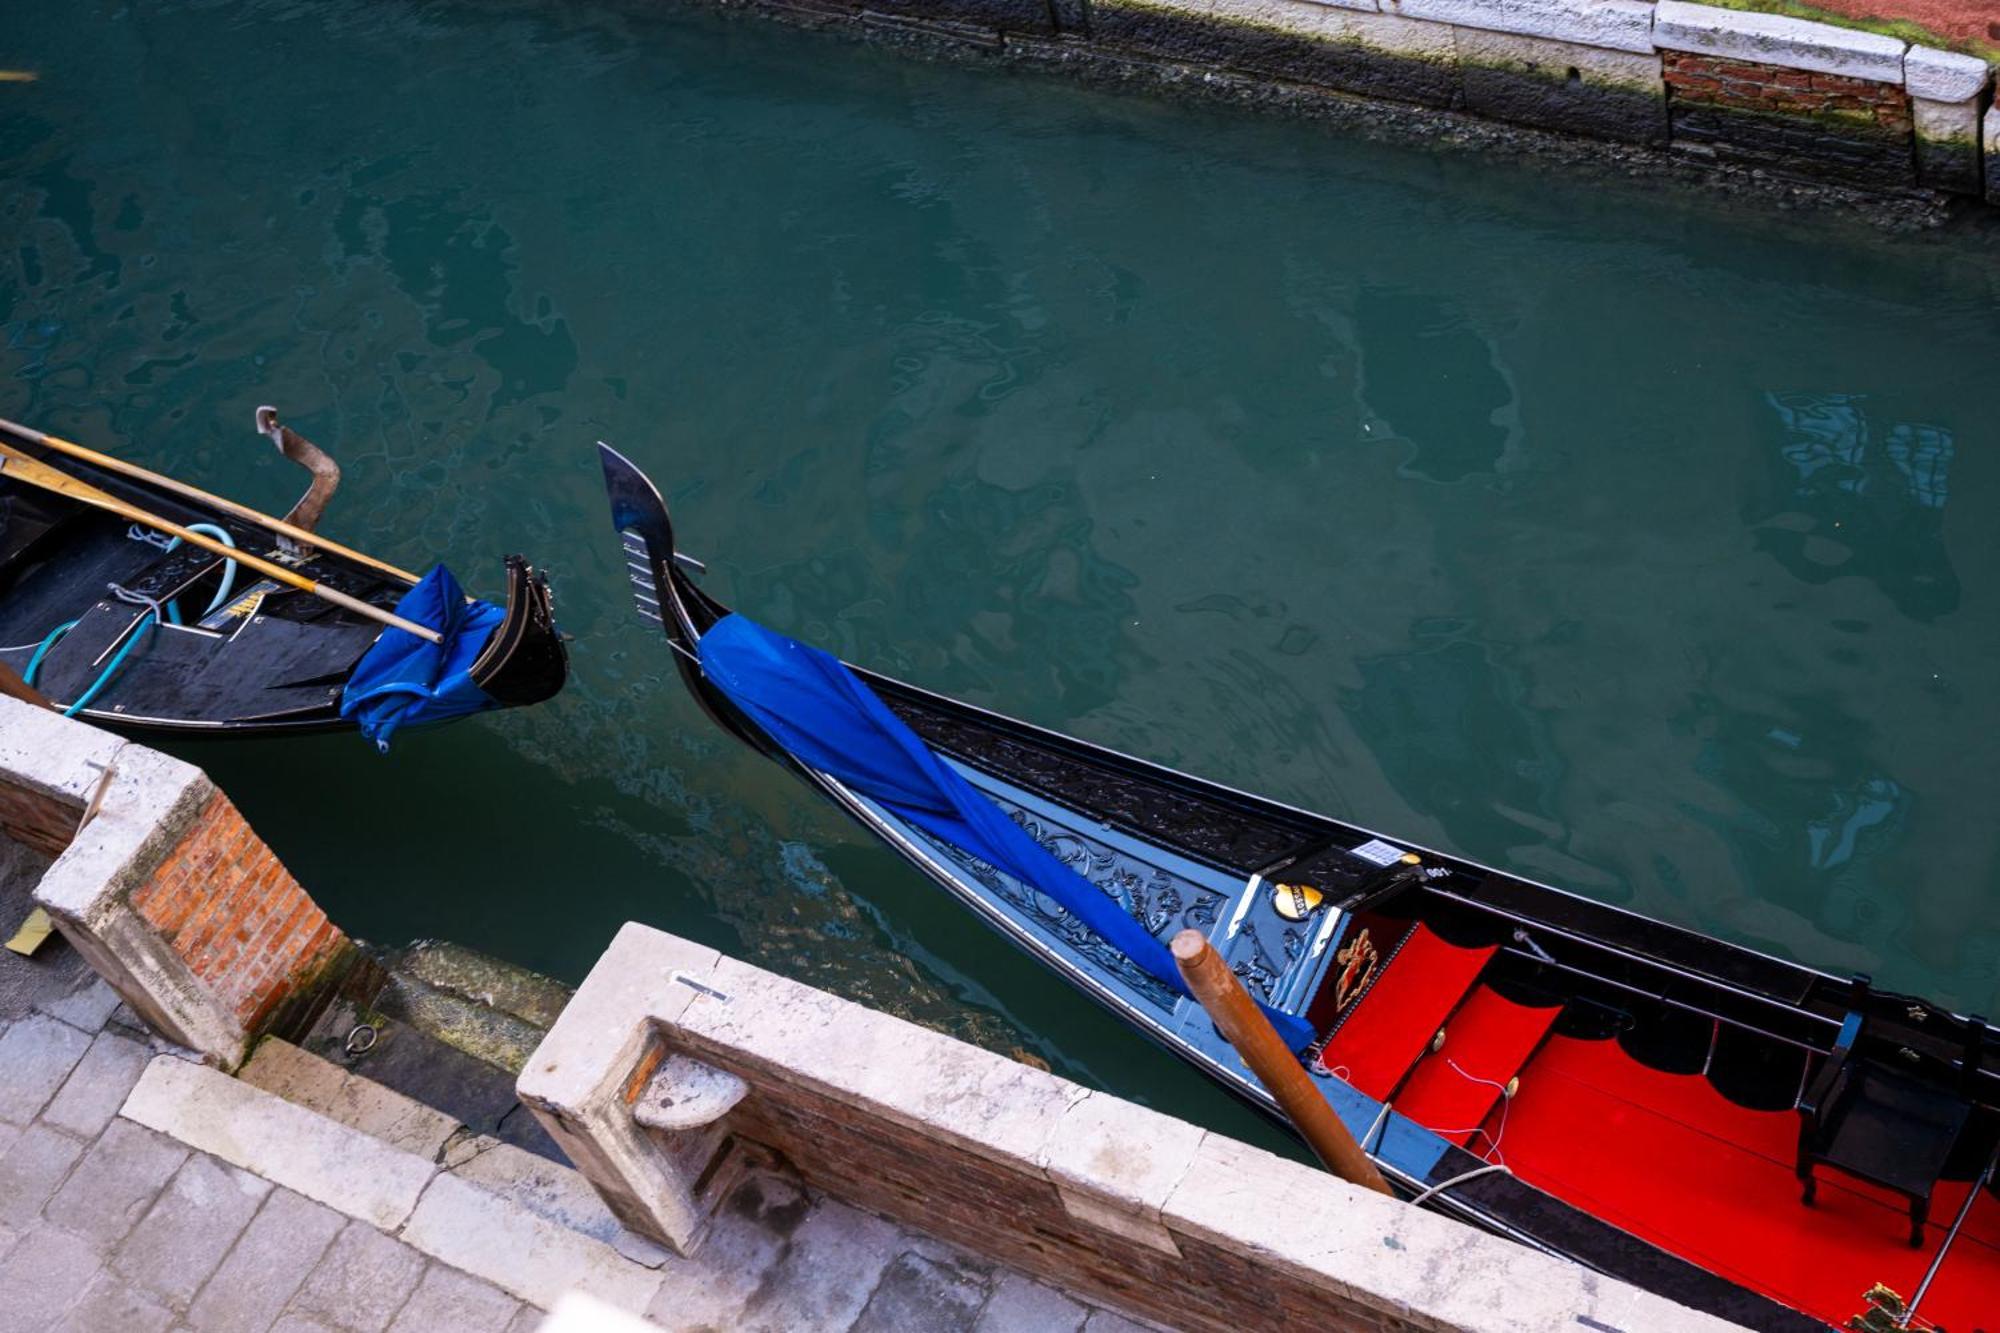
(1640, 1098)
(264, 627)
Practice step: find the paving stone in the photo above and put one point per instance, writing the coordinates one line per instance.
(283, 1242)
(42, 1275)
(198, 1216)
(288, 1145)
(298, 1323)
(7, 1238)
(449, 1300)
(835, 1261)
(97, 1087)
(108, 1304)
(732, 1266)
(528, 1320)
(361, 1282)
(87, 1008)
(31, 1170)
(520, 1251)
(112, 1186)
(36, 1055)
(1022, 1305)
(919, 1295)
(320, 1085)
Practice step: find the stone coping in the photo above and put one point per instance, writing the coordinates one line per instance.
(1122, 1173)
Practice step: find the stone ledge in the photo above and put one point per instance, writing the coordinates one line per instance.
(521, 1253)
(1614, 25)
(1772, 39)
(53, 754)
(1944, 76)
(288, 1145)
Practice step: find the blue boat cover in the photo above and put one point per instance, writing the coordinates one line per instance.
(404, 680)
(811, 704)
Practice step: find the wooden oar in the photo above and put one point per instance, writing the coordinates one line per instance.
(1239, 1019)
(33, 472)
(300, 535)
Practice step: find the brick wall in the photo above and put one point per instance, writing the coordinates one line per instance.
(236, 917)
(1004, 1211)
(1795, 121)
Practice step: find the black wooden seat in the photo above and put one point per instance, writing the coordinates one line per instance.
(1884, 1124)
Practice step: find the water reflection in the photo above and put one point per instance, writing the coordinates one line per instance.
(1863, 499)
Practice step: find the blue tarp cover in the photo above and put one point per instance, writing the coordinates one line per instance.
(820, 711)
(404, 680)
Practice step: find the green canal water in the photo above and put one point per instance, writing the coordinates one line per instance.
(1606, 533)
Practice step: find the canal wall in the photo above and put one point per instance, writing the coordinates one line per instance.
(154, 877)
(716, 1116)
(673, 1063)
(1764, 93)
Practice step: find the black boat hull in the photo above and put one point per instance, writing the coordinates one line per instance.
(1183, 852)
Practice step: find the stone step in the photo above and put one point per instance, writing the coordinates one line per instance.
(529, 996)
(486, 1032)
(519, 1221)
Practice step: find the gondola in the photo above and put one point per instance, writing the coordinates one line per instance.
(1752, 1137)
(137, 601)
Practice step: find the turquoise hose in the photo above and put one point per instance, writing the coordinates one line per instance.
(228, 568)
(53, 637)
(146, 622)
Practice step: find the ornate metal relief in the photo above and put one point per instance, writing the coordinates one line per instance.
(1161, 901)
(1196, 827)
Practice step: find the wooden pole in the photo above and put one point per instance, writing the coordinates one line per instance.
(18, 466)
(1237, 1016)
(303, 536)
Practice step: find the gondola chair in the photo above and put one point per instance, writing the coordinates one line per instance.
(1884, 1124)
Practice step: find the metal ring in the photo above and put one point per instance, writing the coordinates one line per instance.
(357, 1043)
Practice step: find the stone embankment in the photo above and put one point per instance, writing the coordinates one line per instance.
(724, 1147)
(1789, 97)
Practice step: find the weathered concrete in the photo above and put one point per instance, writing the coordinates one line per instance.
(1098, 1196)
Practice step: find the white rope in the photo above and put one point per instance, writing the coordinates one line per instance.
(1381, 1118)
(1473, 1174)
(1493, 1140)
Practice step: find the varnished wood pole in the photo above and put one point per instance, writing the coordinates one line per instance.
(303, 536)
(29, 471)
(1236, 1015)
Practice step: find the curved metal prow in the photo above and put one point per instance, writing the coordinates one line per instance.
(651, 561)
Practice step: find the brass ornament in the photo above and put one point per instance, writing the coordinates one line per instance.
(1295, 902)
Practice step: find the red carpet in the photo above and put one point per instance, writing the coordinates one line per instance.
(1392, 1025)
(1669, 1159)
(1485, 1044)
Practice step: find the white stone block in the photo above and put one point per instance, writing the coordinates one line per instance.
(1946, 122)
(1944, 76)
(1392, 34)
(1614, 25)
(1553, 59)
(304, 1079)
(521, 1253)
(45, 751)
(1115, 1163)
(288, 1145)
(1773, 39)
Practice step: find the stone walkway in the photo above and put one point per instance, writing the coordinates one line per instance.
(361, 1211)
